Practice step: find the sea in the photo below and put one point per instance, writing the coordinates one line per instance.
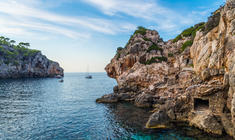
(46, 109)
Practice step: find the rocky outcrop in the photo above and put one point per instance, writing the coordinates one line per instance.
(19, 61)
(190, 78)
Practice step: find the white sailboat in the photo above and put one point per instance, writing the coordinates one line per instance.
(88, 76)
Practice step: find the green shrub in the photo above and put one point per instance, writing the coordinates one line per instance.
(119, 49)
(155, 60)
(13, 56)
(170, 54)
(26, 52)
(2, 50)
(162, 58)
(187, 32)
(212, 22)
(147, 39)
(16, 63)
(7, 62)
(9, 53)
(150, 61)
(197, 27)
(186, 44)
(118, 56)
(154, 47)
(141, 30)
(177, 38)
(191, 65)
(190, 31)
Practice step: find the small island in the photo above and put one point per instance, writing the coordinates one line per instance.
(18, 61)
(187, 79)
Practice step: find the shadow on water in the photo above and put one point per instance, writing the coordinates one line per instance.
(133, 120)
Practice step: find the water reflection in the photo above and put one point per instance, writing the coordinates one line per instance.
(133, 119)
(45, 109)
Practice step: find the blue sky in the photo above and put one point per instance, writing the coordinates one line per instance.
(81, 33)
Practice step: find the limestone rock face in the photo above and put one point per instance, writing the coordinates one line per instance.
(158, 119)
(207, 122)
(190, 78)
(34, 65)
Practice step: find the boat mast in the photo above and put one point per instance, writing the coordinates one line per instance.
(87, 70)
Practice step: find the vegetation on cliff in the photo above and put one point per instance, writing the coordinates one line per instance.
(154, 47)
(17, 60)
(212, 22)
(186, 44)
(155, 60)
(118, 52)
(12, 53)
(140, 30)
(190, 32)
(196, 86)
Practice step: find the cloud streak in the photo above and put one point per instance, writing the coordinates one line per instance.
(150, 10)
(28, 17)
(163, 18)
(50, 22)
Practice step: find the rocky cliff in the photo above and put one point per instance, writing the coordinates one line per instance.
(18, 61)
(190, 78)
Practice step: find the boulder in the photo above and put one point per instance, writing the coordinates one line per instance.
(158, 119)
(108, 98)
(144, 100)
(208, 122)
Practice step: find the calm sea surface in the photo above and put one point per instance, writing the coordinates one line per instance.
(45, 109)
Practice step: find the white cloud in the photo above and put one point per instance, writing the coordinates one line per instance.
(37, 17)
(50, 22)
(24, 26)
(150, 10)
(163, 18)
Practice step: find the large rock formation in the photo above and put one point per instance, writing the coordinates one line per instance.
(17, 61)
(190, 78)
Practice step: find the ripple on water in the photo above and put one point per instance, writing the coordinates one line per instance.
(40, 109)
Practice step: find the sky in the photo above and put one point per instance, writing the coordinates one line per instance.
(85, 33)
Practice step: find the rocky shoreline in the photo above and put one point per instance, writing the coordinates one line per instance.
(18, 61)
(188, 79)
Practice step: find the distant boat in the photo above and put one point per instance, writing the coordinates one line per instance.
(88, 76)
(61, 80)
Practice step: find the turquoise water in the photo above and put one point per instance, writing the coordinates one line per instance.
(45, 109)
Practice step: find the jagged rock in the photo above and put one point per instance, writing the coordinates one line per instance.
(158, 119)
(144, 100)
(115, 89)
(195, 84)
(205, 74)
(109, 98)
(208, 122)
(226, 121)
(31, 63)
(226, 80)
(124, 96)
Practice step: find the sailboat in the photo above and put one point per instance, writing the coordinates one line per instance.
(88, 76)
